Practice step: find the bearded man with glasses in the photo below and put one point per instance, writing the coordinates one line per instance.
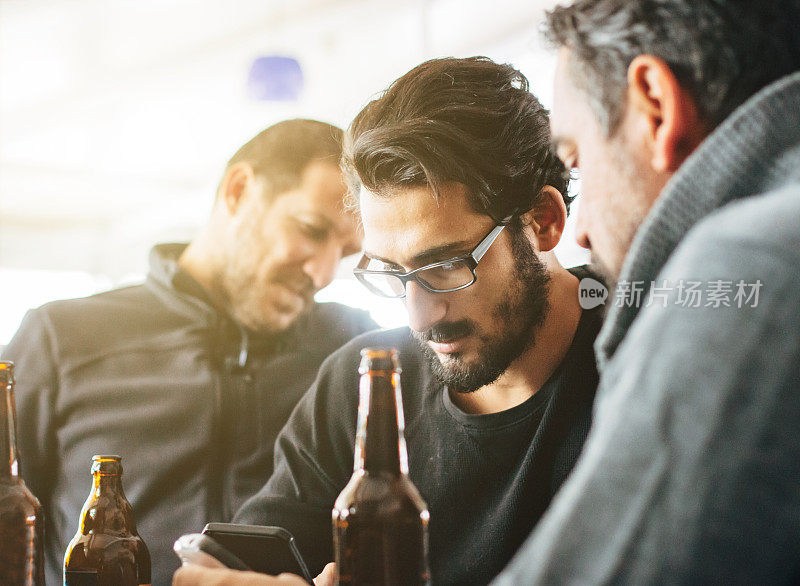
(462, 203)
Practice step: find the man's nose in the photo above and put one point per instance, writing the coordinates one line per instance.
(425, 309)
(321, 264)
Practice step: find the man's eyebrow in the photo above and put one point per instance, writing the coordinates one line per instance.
(431, 255)
(324, 221)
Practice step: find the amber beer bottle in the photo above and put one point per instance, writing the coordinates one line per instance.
(106, 550)
(21, 519)
(380, 522)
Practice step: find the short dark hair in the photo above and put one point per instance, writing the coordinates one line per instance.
(470, 121)
(721, 51)
(280, 153)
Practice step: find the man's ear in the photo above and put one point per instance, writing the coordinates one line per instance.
(547, 219)
(667, 110)
(238, 179)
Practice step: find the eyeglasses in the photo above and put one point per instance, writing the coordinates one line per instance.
(439, 277)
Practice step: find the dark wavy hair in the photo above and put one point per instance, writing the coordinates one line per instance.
(722, 51)
(471, 121)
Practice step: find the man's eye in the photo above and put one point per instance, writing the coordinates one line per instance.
(570, 160)
(572, 163)
(313, 232)
(350, 250)
(568, 155)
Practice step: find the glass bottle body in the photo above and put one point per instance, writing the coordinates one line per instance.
(380, 532)
(107, 550)
(21, 516)
(380, 521)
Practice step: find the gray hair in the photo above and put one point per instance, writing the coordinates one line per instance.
(721, 51)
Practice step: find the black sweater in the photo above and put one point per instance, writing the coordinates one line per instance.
(487, 479)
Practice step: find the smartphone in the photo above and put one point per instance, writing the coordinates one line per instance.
(269, 550)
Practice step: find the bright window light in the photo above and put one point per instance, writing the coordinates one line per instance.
(24, 289)
(389, 313)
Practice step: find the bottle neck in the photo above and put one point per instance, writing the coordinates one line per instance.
(380, 444)
(107, 510)
(9, 466)
(106, 484)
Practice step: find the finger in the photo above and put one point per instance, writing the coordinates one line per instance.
(188, 576)
(289, 579)
(326, 577)
(197, 576)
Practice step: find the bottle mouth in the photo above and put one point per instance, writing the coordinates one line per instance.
(107, 465)
(379, 360)
(105, 458)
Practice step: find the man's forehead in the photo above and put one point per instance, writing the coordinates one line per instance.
(325, 190)
(319, 200)
(563, 96)
(572, 118)
(404, 207)
(408, 224)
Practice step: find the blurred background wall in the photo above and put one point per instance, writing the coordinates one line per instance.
(117, 116)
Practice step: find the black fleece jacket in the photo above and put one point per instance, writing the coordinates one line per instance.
(192, 402)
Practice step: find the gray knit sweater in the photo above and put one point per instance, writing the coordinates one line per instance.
(691, 473)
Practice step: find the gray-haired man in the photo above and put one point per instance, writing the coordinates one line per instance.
(683, 117)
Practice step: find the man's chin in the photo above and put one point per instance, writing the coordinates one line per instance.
(276, 319)
(459, 372)
(608, 272)
(451, 362)
(282, 322)
(599, 265)
(286, 300)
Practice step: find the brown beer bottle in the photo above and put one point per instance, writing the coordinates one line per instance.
(21, 519)
(380, 522)
(106, 550)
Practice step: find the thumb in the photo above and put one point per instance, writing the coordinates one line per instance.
(326, 577)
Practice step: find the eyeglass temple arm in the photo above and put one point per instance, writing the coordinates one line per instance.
(481, 249)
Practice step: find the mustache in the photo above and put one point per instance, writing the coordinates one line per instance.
(442, 332)
(301, 284)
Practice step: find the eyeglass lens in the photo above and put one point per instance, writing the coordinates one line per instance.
(446, 277)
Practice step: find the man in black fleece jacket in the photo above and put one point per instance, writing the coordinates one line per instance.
(462, 203)
(191, 375)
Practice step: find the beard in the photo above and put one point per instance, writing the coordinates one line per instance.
(599, 267)
(517, 316)
(261, 308)
(253, 295)
(621, 217)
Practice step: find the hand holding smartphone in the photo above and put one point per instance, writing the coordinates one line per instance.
(199, 550)
(269, 550)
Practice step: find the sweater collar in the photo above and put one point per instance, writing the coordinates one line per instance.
(754, 150)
